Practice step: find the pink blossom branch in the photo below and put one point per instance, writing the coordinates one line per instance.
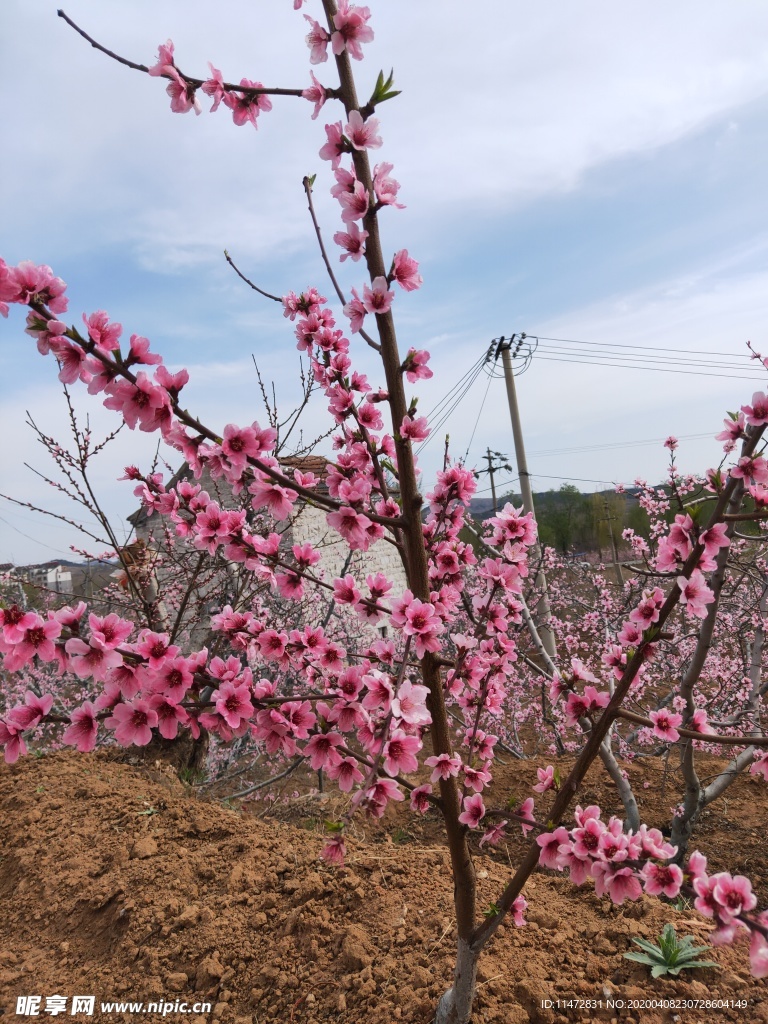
(196, 83)
(702, 737)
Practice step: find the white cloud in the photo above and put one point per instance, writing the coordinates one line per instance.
(518, 102)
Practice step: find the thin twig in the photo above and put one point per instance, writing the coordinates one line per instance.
(308, 190)
(241, 275)
(275, 778)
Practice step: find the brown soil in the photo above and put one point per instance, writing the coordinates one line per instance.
(117, 881)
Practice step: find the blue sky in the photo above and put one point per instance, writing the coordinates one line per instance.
(592, 172)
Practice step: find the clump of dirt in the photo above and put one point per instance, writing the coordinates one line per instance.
(117, 881)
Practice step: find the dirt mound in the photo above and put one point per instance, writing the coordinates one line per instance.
(117, 882)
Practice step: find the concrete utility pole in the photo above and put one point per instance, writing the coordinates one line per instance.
(543, 611)
(494, 469)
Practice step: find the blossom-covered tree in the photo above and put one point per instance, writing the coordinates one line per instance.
(374, 716)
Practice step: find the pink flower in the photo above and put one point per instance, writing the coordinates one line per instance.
(405, 271)
(695, 594)
(335, 145)
(546, 779)
(414, 429)
(83, 730)
(362, 134)
(133, 723)
(647, 612)
(518, 910)
(334, 851)
(247, 107)
(111, 630)
(268, 494)
(550, 844)
(415, 366)
(400, 753)
(182, 93)
(755, 468)
(760, 765)
(494, 835)
(31, 713)
(698, 722)
(620, 884)
(232, 701)
(410, 704)
(758, 954)
(240, 443)
(526, 811)
(419, 802)
(91, 660)
(757, 413)
(385, 188)
(697, 865)
(214, 87)
(351, 29)
(352, 242)
(315, 94)
(103, 334)
(346, 773)
(170, 715)
(12, 740)
(474, 811)
(732, 894)
(671, 443)
(317, 41)
(734, 429)
(155, 647)
(142, 403)
(662, 878)
(444, 766)
(321, 751)
(664, 723)
(354, 202)
(475, 779)
(417, 619)
(36, 640)
(165, 65)
(345, 590)
(356, 312)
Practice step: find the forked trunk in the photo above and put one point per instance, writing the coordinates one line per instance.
(455, 1006)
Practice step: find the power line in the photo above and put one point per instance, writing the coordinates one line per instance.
(479, 414)
(667, 360)
(41, 543)
(547, 476)
(648, 348)
(455, 396)
(613, 445)
(653, 369)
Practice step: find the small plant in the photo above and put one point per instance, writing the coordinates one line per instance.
(192, 776)
(682, 904)
(671, 955)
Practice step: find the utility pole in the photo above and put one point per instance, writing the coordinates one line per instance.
(494, 469)
(543, 611)
(611, 520)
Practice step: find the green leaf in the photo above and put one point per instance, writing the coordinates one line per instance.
(383, 90)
